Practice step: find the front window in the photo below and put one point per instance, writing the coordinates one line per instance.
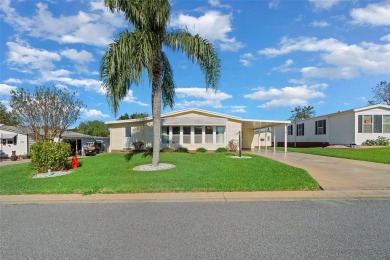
(290, 130)
(386, 124)
(220, 130)
(176, 134)
(321, 127)
(186, 134)
(301, 129)
(128, 132)
(367, 124)
(165, 135)
(209, 134)
(198, 134)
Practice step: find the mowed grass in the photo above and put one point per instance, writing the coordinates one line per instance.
(378, 155)
(111, 173)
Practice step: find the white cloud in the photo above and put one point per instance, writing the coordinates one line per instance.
(285, 67)
(287, 96)
(373, 14)
(273, 4)
(200, 97)
(216, 3)
(14, 81)
(131, 99)
(343, 60)
(213, 26)
(95, 28)
(331, 73)
(238, 109)
(27, 58)
(320, 24)
(246, 59)
(5, 89)
(324, 4)
(385, 38)
(77, 56)
(93, 113)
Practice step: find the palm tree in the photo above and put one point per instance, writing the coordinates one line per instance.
(140, 50)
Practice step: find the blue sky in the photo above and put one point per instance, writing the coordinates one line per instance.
(275, 54)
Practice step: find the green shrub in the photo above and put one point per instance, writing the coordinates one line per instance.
(221, 150)
(381, 141)
(181, 149)
(167, 150)
(47, 155)
(201, 150)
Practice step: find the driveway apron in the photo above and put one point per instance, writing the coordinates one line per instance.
(336, 173)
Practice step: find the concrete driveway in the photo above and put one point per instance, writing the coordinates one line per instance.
(336, 173)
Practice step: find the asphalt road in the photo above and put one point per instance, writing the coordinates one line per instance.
(341, 229)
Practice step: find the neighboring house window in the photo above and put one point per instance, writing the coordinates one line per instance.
(198, 134)
(321, 127)
(220, 134)
(367, 124)
(290, 130)
(377, 124)
(127, 131)
(386, 124)
(10, 141)
(301, 129)
(186, 134)
(165, 134)
(209, 134)
(176, 134)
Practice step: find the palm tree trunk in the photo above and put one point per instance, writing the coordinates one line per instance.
(156, 107)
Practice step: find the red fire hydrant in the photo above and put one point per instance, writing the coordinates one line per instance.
(75, 162)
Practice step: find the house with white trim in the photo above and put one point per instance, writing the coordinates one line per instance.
(350, 127)
(191, 128)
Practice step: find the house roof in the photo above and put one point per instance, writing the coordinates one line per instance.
(14, 129)
(354, 110)
(247, 123)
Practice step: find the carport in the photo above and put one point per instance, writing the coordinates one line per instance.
(251, 127)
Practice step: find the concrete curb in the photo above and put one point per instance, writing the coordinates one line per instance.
(197, 197)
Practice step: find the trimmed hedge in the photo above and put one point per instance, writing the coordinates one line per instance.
(47, 155)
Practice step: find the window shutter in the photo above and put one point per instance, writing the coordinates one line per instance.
(324, 126)
(316, 127)
(377, 123)
(360, 124)
(303, 129)
(297, 129)
(292, 129)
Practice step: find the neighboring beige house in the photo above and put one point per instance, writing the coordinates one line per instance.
(190, 128)
(349, 127)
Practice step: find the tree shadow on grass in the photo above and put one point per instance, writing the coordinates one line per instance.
(145, 153)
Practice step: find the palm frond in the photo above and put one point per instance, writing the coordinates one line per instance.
(123, 64)
(198, 50)
(168, 84)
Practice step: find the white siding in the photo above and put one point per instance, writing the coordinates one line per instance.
(21, 146)
(361, 137)
(342, 129)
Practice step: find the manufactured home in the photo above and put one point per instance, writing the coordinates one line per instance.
(350, 127)
(191, 128)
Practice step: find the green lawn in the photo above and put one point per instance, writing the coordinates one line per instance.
(379, 155)
(111, 173)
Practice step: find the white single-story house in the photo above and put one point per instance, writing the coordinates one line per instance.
(350, 127)
(14, 139)
(18, 139)
(191, 128)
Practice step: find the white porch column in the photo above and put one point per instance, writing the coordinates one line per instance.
(273, 130)
(285, 138)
